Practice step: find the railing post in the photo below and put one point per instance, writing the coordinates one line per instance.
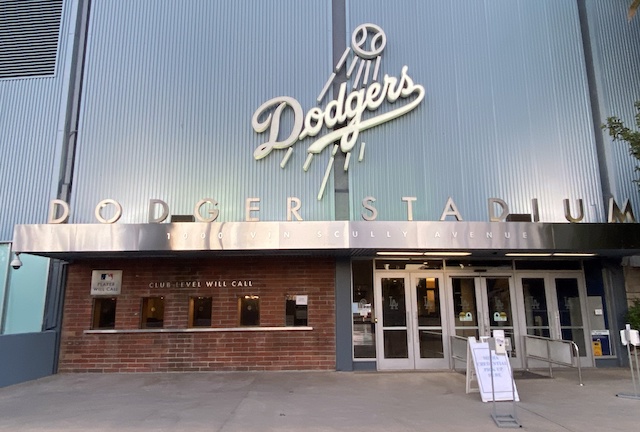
(575, 345)
(549, 358)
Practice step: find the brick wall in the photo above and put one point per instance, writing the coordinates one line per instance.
(272, 279)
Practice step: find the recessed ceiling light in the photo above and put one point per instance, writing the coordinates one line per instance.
(449, 254)
(563, 254)
(399, 253)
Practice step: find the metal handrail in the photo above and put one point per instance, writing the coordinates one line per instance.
(575, 354)
(455, 357)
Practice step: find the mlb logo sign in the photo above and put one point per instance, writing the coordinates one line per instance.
(106, 282)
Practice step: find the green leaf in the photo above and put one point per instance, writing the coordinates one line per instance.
(633, 315)
(621, 133)
(633, 8)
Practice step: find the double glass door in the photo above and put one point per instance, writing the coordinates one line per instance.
(417, 312)
(483, 304)
(409, 329)
(555, 307)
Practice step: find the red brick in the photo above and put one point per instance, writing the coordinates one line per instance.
(273, 279)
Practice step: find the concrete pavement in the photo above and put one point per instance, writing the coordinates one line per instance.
(311, 401)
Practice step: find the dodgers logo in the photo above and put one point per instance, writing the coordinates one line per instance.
(367, 93)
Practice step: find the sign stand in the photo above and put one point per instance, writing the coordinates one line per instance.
(631, 337)
(498, 346)
(471, 370)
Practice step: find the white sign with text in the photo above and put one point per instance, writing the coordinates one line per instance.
(505, 387)
(106, 282)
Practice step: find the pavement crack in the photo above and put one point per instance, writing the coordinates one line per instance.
(546, 418)
(232, 413)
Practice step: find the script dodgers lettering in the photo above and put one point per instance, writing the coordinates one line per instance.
(347, 110)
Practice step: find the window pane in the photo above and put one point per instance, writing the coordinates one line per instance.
(428, 302)
(431, 344)
(296, 310)
(249, 310)
(394, 308)
(104, 313)
(499, 299)
(200, 311)
(395, 344)
(570, 311)
(152, 312)
(362, 310)
(535, 306)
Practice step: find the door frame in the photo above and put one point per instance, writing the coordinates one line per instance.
(413, 360)
(445, 277)
(549, 277)
(482, 306)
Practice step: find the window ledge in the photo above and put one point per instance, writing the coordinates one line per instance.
(201, 330)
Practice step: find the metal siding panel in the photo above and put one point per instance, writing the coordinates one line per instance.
(617, 57)
(170, 89)
(505, 115)
(5, 253)
(29, 112)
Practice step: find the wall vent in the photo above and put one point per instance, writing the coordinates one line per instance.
(29, 35)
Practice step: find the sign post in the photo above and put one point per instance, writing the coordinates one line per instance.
(498, 346)
(631, 337)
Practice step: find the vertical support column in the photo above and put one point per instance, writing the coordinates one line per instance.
(340, 176)
(616, 304)
(54, 305)
(594, 101)
(344, 346)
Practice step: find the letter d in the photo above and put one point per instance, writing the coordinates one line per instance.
(163, 215)
(53, 210)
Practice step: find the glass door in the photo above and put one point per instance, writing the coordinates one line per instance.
(465, 308)
(570, 312)
(432, 346)
(483, 304)
(500, 304)
(554, 306)
(392, 328)
(409, 330)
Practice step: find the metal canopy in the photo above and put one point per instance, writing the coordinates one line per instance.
(335, 238)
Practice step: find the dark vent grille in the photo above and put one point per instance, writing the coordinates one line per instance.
(29, 32)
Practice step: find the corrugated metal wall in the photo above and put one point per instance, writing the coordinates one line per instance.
(506, 112)
(616, 46)
(30, 150)
(169, 91)
(170, 88)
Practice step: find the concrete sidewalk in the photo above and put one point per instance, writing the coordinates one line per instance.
(311, 401)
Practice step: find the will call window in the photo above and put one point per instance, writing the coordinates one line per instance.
(104, 313)
(296, 310)
(200, 311)
(152, 315)
(249, 310)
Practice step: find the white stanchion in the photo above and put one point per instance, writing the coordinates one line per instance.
(499, 346)
(631, 337)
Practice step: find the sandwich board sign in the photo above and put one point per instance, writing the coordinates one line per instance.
(505, 386)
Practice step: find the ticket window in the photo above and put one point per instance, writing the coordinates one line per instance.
(249, 310)
(104, 313)
(200, 311)
(296, 310)
(152, 315)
